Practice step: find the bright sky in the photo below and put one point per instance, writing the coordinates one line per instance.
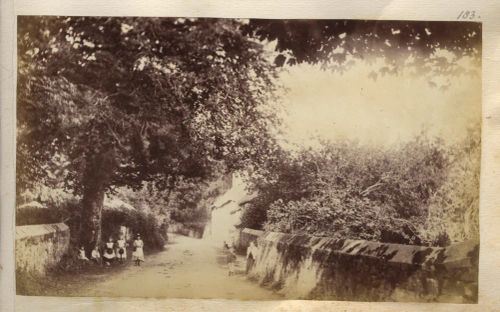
(391, 109)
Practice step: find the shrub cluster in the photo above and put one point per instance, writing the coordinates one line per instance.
(420, 192)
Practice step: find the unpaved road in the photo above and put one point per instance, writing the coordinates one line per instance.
(188, 268)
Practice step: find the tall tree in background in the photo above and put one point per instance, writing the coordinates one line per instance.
(138, 99)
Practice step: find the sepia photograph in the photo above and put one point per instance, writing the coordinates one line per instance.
(248, 159)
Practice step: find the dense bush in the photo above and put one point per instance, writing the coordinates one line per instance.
(153, 233)
(454, 209)
(149, 216)
(409, 193)
(44, 203)
(185, 202)
(190, 201)
(29, 216)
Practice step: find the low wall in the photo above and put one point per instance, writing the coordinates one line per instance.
(193, 230)
(41, 246)
(308, 267)
(243, 239)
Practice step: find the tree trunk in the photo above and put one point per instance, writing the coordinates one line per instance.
(96, 180)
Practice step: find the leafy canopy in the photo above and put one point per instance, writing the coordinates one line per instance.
(337, 43)
(170, 97)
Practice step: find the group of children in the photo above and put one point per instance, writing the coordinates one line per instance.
(114, 251)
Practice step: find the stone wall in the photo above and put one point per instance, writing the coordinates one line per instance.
(41, 246)
(190, 230)
(308, 267)
(243, 239)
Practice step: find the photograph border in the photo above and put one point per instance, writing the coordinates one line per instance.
(489, 12)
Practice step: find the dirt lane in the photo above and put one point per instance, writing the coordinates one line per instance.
(188, 268)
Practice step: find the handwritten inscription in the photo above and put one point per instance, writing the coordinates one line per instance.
(468, 15)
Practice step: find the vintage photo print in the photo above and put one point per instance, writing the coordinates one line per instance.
(250, 159)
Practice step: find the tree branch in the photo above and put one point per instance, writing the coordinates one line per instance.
(118, 141)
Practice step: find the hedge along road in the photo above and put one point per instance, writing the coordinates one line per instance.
(187, 268)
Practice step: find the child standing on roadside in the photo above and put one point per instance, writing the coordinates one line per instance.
(121, 250)
(138, 254)
(109, 252)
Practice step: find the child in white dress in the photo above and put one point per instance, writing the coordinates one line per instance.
(81, 254)
(138, 254)
(96, 255)
(121, 250)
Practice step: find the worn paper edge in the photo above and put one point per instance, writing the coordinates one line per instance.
(489, 12)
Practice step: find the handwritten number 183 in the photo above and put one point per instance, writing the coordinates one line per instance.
(467, 15)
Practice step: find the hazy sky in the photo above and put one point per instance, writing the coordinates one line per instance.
(390, 109)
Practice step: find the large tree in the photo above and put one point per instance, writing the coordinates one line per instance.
(138, 99)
